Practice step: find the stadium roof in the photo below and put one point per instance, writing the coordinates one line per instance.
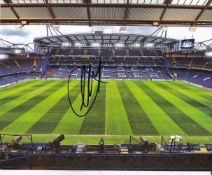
(103, 39)
(107, 12)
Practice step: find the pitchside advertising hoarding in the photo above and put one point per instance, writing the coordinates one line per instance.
(187, 44)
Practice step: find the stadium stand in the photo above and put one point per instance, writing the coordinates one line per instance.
(11, 66)
(18, 67)
(129, 62)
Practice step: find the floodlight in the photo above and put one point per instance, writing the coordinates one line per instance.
(137, 45)
(119, 45)
(66, 44)
(23, 23)
(17, 51)
(155, 23)
(149, 45)
(78, 44)
(95, 44)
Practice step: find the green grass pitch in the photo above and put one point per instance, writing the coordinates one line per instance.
(122, 108)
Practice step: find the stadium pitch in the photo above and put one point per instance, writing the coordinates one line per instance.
(122, 108)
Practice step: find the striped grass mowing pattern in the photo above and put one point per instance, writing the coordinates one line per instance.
(195, 89)
(201, 103)
(161, 121)
(122, 108)
(96, 116)
(69, 123)
(10, 93)
(181, 119)
(39, 108)
(198, 116)
(49, 121)
(20, 109)
(139, 121)
(117, 122)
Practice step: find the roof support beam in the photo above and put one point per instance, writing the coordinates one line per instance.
(126, 13)
(84, 21)
(110, 40)
(127, 39)
(15, 13)
(154, 40)
(68, 39)
(201, 12)
(163, 13)
(85, 39)
(135, 40)
(53, 40)
(102, 39)
(50, 11)
(119, 39)
(99, 20)
(143, 40)
(156, 31)
(77, 39)
(59, 39)
(90, 21)
(12, 9)
(89, 14)
(106, 5)
(162, 40)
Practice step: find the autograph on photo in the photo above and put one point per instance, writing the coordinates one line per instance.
(88, 95)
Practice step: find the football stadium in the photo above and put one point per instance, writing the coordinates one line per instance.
(136, 98)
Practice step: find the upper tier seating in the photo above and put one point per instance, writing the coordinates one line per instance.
(10, 66)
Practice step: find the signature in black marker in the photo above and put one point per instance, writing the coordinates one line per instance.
(86, 87)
